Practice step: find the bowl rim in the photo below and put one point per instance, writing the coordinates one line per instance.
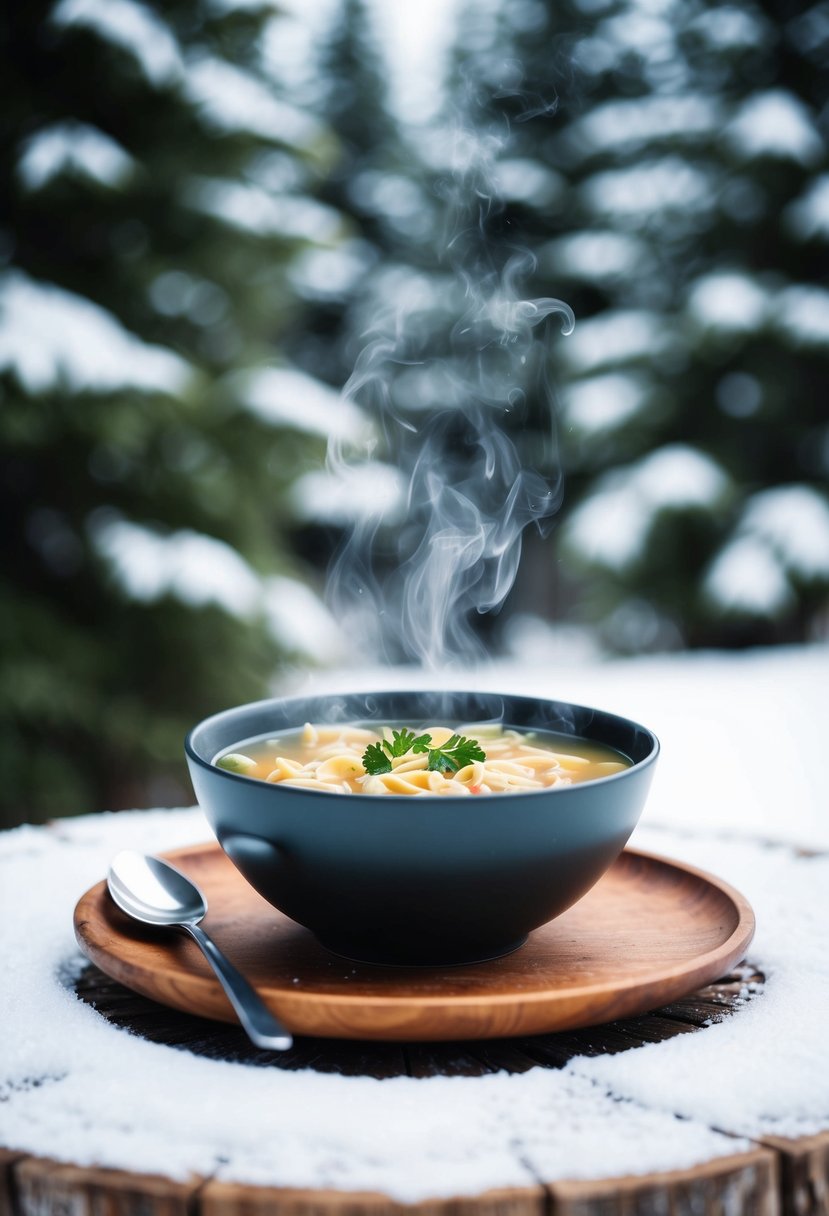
(636, 766)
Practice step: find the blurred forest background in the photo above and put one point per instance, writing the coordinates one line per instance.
(199, 223)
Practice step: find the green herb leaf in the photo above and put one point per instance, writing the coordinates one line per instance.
(456, 753)
(375, 759)
(404, 740)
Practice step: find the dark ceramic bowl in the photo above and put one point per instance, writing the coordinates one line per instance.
(396, 879)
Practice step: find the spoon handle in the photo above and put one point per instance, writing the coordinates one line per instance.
(261, 1026)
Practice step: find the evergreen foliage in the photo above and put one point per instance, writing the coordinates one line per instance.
(155, 197)
(665, 171)
(674, 194)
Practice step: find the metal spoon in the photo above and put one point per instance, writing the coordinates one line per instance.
(156, 893)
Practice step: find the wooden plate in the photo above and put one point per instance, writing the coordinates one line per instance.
(649, 932)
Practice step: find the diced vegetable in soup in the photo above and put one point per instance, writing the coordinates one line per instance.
(439, 761)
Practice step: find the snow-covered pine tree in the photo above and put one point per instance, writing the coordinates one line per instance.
(156, 194)
(685, 220)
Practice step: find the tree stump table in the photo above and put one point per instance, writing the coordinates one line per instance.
(768, 1176)
(778, 1177)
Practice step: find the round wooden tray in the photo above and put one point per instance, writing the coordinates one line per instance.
(649, 932)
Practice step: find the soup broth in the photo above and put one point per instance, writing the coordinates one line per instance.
(360, 759)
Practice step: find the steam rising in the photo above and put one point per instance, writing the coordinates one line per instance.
(464, 410)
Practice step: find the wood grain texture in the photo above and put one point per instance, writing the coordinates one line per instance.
(224, 1041)
(745, 1184)
(649, 932)
(8, 1157)
(804, 1170)
(228, 1199)
(52, 1188)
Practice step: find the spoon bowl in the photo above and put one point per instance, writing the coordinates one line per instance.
(155, 893)
(150, 890)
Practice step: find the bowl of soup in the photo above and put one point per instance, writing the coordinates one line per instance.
(421, 828)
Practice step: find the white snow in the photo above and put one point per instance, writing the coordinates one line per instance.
(526, 181)
(728, 300)
(733, 28)
(747, 577)
(602, 403)
(50, 337)
(611, 527)
(669, 184)
(253, 209)
(593, 255)
(134, 28)
(189, 566)
(287, 396)
(802, 313)
(808, 216)
(775, 123)
(66, 1070)
(200, 570)
(363, 491)
(73, 147)
(616, 336)
(620, 125)
(781, 531)
(794, 521)
(301, 621)
(679, 476)
(331, 273)
(647, 32)
(230, 99)
(731, 1076)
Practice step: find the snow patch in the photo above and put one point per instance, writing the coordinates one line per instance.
(133, 28)
(611, 527)
(783, 530)
(777, 124)
(73, 147)
(602, 403)
(286, 396)
(230, 99)
(626, 124)
(51, 338)
(728, 301)
(329, 274)
(808, 216)
(670, 184)
(616, 336)
(193, 568)
(252, 209)
(301, 620)
(366, 491)
(746, 577)
(734, 28)
(523, 180)
(794, 520)
(802, 314)
(200, 570)
(594, 256)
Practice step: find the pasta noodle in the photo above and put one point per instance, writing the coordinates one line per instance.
(330, 759)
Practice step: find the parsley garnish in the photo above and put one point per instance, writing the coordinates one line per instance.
(455, 753)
